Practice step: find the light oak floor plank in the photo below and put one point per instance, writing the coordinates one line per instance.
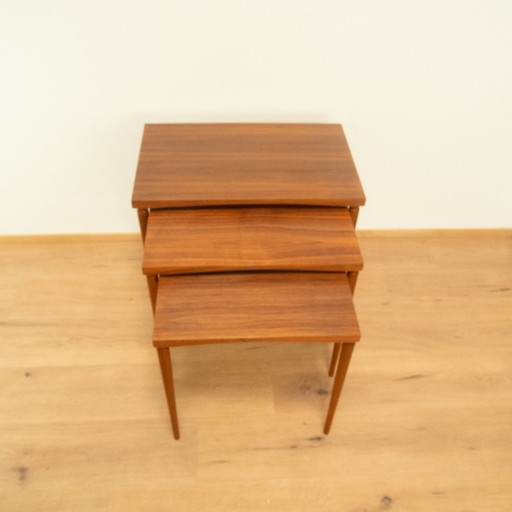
(423, 422)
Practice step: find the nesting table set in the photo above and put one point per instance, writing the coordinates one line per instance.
(249, 235)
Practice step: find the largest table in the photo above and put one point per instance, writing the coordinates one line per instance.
(238, 177)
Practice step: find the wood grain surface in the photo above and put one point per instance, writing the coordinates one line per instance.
(245, 238)
(423, 423)
(220, 164)
(265, 306)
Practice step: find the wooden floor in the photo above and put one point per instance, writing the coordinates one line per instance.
(424, 422)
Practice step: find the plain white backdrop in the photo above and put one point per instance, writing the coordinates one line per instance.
(422, 88)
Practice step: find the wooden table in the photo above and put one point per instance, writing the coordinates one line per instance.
(249, 234)
(234, 164)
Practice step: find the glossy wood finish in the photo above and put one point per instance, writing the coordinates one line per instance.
(216, 308)
(221, 164)
(269, 238)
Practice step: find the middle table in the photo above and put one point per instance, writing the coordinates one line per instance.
(198, 240)
(247, 238)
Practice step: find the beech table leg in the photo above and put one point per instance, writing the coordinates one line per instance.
(164, 356)
(346, 354)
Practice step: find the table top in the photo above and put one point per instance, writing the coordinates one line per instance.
(234, 164)
(263, 306)
(222, 239)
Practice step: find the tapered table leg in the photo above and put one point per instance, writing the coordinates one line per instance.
(352, 281)
(354, 213)
(164, 357)
(153, 289)
(334, 358)
(346, 354)
(143, 214)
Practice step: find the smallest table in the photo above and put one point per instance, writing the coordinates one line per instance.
(263, 306)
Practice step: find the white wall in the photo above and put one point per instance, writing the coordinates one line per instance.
(423, 89)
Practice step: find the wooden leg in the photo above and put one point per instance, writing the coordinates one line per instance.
(164, 356)
(352, 281)
(143, 214)
(346, 354)
(354, 213)
(153, 289)
(334, 359)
